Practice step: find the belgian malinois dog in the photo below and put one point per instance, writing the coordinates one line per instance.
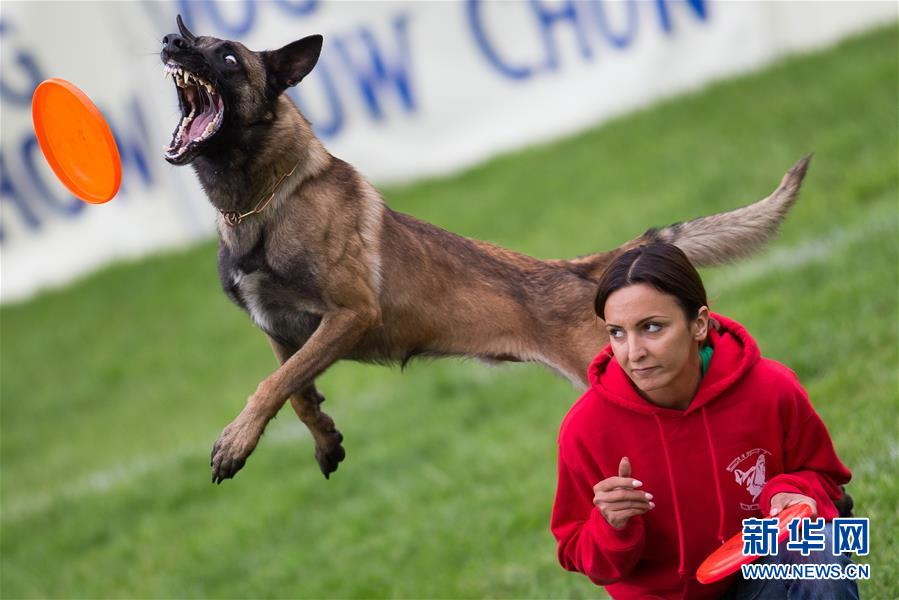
(327, 271)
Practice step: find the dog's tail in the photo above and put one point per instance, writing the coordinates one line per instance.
(725, 237)
(716, 239)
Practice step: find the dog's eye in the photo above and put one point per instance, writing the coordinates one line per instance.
(229, 59)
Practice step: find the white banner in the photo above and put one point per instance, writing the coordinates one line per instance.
(402, 90)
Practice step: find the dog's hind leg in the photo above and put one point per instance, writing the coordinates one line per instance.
(307, 404)
(570, 359)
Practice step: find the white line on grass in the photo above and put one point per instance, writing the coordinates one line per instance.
(790, 258)
(806, 252)
(124, 473)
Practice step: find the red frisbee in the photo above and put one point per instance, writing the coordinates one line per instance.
(729, 557)
(76, 141)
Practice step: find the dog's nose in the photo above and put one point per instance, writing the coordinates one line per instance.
(174, 42)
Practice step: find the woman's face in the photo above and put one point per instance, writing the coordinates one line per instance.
(655, 344)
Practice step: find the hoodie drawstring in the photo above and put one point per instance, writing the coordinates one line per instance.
(708, 439)
(680, 526)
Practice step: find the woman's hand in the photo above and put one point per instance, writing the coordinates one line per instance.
(786, 499)
(616, 498)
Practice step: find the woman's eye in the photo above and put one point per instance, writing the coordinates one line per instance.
(653, 327)
(229, 59)
(616, 334)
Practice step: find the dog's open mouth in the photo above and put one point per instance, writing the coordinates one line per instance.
(202, 111)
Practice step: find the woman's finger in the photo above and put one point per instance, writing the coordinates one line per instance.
(784, 500)
(622, 496)
(630, 512)
(805, 500)
(611, 483)
(618, 506)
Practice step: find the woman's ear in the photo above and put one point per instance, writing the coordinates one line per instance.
(701, 324)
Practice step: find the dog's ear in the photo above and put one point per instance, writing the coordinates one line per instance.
(287, 66)
(185, 32)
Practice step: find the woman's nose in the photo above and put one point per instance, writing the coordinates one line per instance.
(636, 352)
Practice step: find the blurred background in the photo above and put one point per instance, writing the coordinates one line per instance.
(555, 128)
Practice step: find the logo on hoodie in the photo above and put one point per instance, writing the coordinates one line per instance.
(748, 470)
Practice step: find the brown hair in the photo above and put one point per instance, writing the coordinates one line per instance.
(661, 265)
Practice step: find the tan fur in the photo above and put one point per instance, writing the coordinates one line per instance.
(393, 287)
(329, 272)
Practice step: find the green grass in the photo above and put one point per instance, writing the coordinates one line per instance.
(114, 388)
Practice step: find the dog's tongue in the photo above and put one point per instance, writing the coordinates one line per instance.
(201, 121)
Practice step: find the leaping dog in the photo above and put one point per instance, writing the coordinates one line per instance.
(329, 272)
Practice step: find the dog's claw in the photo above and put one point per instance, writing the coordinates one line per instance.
(226, 469)
(230, 453)
(330, 454)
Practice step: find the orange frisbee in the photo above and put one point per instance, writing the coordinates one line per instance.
(729, 557)
(76, 141)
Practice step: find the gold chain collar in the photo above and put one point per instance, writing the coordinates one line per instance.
(233, 217)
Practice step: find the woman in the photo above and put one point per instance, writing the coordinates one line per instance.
(684, 432)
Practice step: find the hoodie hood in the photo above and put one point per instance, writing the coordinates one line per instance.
(735, 353)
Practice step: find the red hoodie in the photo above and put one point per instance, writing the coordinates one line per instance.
(749, 433)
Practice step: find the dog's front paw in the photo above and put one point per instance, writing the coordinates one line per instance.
(231, 450)
(329, 452)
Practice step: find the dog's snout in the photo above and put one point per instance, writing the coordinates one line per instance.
(174, 42)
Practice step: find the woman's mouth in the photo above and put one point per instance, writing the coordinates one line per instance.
(644, 371)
